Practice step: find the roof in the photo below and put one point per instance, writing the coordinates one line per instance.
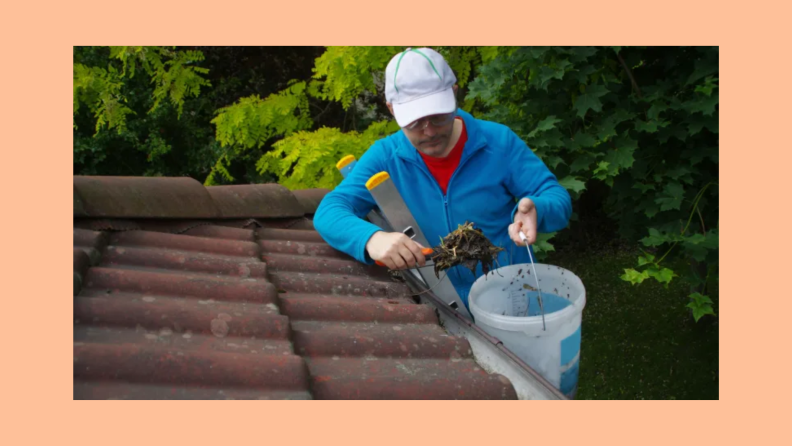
(191, 292)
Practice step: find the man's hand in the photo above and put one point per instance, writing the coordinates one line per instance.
(395, 250)
(525, 221)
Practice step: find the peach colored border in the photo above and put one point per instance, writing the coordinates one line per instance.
(36, 71)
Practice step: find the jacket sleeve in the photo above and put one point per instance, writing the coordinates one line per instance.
(529, 177)
(339, 217)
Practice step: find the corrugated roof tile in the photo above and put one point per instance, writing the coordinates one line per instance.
(184, 242)
(404, 379)
(104, 390)
(316, 307)
(251, 308)
(359, 339)
(149, 361)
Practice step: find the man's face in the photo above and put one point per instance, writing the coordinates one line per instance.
(430, 139)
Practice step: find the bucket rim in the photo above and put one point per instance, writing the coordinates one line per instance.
(525, 323)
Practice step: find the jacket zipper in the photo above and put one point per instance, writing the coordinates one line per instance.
(424, 169)
(461, 164)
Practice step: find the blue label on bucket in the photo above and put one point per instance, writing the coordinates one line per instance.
(570, 347)
(569, 378)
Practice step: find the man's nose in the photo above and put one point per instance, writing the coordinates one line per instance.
(430, 130)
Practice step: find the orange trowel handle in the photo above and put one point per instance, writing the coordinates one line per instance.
(427, 252)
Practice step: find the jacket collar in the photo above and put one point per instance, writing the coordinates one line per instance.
(475, 141)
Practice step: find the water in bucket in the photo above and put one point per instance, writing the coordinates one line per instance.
(526, 303)
(505, 304)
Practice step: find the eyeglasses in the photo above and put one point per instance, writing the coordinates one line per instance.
(436, 120)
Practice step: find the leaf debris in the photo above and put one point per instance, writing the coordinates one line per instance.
(465, 246)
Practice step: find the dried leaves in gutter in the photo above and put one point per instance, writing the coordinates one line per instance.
(465, 246)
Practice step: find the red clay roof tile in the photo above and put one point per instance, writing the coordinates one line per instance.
(177, 302)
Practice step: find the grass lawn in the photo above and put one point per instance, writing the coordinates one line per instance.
(639, 342)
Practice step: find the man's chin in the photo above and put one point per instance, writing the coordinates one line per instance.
(435, 153)
(433, 150)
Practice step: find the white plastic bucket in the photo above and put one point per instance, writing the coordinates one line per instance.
(499, 304)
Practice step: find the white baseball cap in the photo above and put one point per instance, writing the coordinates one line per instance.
(418, 83)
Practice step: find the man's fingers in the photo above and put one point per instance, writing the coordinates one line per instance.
(514, 230)
(398, 261)
(530, 233)
(526, 228)
(407, 255)
(415, 250)
(395, 250)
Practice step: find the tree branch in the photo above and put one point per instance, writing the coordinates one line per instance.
(630, 75)
(703, 228)
(321, 112)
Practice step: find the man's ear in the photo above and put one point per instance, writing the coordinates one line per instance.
(390, 108)
(456, 88)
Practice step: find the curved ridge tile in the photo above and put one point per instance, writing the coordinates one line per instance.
(142, 197)
(255, 201)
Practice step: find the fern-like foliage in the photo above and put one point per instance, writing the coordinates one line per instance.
(252, 121)
(171, 71)
(100, 91)
(343, 73)
(307, 159)
(347, 71)
(149, 57)
(178, 79)
(220, 168)
(461, 59)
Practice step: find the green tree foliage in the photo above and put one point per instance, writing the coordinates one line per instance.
(351, 76)
(635, 127)
(167, 98)
(343, 73)
(148, 107)
(170, 71)
(308, 159)
(100, 90)
(641, 121)
(252, 121)
(132, 132)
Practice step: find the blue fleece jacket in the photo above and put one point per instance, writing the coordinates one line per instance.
(496, 168)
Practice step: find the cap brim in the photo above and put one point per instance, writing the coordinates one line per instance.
(434, 104)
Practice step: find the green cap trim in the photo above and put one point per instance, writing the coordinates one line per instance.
(398, 62)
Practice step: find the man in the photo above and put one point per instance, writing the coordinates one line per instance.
(449, 168)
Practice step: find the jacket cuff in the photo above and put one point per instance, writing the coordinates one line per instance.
(363, 255)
